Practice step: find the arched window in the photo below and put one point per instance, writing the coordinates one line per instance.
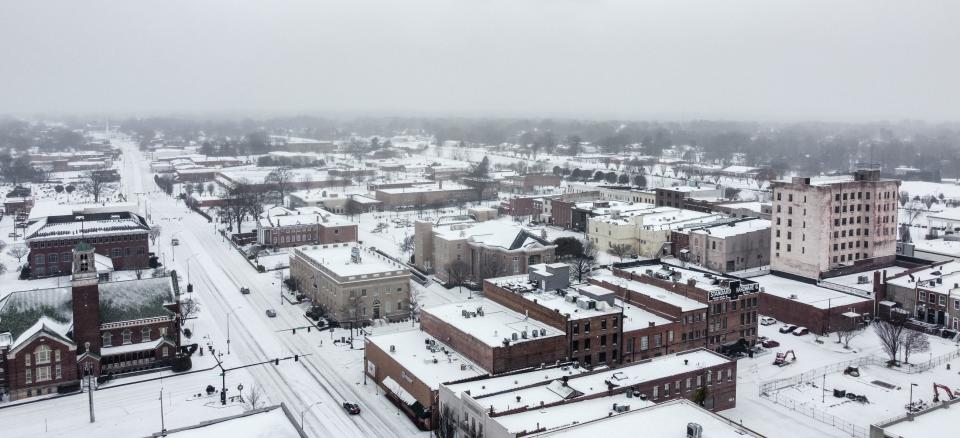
(42, 354)
(107, 339)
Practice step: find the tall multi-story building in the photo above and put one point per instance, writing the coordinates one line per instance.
(826, 226)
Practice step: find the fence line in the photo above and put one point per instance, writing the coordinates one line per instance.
(770, 389)
(845, 289)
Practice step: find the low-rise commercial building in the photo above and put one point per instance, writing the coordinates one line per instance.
(489, 249)
(351, 283)
(280, 227)
(120, 235)
(497, 409)
(725, 247)
(493, 336)
(441, 194)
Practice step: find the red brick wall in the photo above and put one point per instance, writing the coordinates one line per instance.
(86, 317)
(561, 213)
(530, 353)
(387, 366)
(102, 245)
(338, 233)
(795, 312)
(522, 207)
(16, 374)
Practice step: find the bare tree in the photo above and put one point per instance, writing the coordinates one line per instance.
(3, 245)
(280, 180)
(254, 399)
(491, 266)
(457, 274)
(891, 335)
(914, 342)
(95, 183)
(407, 244)
(581, 265)
(848, 329)
(620, 250)
(3, 269)
(19, 251)
(154, 233)
(188, 308)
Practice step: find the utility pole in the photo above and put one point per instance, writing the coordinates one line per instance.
(90, 393)
(163, 427)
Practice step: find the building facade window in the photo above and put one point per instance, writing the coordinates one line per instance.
(107, 339)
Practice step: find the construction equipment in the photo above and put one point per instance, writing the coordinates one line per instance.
(784, 359)
(936, 392)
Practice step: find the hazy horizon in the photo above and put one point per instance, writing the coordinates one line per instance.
(740, 60)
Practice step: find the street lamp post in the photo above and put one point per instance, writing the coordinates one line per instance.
(910, 406)
(305, 411)
(230, 313)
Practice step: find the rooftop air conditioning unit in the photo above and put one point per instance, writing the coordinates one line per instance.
(793, 296)
(694, 430)
(543, 332)
(620, 408)
(393, 348)
(513, 336)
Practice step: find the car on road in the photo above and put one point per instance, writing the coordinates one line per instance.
(271, 313)
(800, 331)
(245, 290)
(766, 320)
(351, 408)
(788, 328)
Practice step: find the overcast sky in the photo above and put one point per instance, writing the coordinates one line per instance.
(671, 59)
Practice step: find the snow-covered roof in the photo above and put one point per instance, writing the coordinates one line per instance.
(446, 186)
(940, 278)
(568, 414)
(731, 229)
(587, 385)
(752, 206)
(440, 364)
(665, 419)
(685, 304)
(496, 323)
(134, 347)
(500, 233)
(50, 207)
(269, 422)
(337, 258)
(136, 299)
(740, 169)
(564, 302)
(853, 280)
(635, 318)
(806, 293)
(492, 385)
(92, 225)
(281, 216)
(21, 310)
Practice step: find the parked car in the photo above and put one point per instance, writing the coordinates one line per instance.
(788, 328)
(800, 331)
(770, 343)
(351, 408)
(271, 313)
(766, 320)
(245, 290)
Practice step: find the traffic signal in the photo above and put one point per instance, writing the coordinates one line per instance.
(294, 331)
(296, 358)
(276, 361)
(308, 329)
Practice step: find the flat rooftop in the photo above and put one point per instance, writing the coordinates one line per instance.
(337, 258)
(685, 304)
(635, 318)
(853, 280)
(932, 423)
(432, 367)
(734, 229)
(562, 302)
(447, 187)
(948, 275)
(491, 385)
(806, 293)
(595, 383)
(568, 414)
(668, 419)
(496, 323)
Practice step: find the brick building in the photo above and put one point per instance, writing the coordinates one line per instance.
(49, 338)
(281, 227)
(121, 235)
(725, 247)
(496, 406)
(494, 337)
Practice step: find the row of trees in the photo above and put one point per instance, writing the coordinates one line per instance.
(898, 341)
